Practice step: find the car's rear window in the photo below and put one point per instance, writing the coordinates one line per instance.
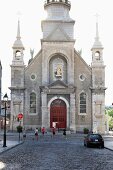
(95, 136)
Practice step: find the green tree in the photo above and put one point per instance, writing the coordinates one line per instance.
(109, 112)
(111, 123)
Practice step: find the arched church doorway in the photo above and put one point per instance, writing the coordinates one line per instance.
(58, 114)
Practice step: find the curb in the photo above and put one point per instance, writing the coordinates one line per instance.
(11, 147)
(108, 148)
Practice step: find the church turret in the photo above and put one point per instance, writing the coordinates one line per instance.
(98, 85)
(17, 62)
(55, 4)
(58, 53)
(97, 49)
(58, 30)
(17, 80)
(18, 48)
(98, 67)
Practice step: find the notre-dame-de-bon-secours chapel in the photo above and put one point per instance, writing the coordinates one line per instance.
(58, 88)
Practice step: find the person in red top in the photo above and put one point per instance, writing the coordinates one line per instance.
(43, 131)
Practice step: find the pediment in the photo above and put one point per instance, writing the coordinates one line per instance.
(58, 34)
(58, 84)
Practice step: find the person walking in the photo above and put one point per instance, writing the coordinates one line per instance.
(64, 133)
(43, 131)
(36, 133)
(24, 135)
(53, 131)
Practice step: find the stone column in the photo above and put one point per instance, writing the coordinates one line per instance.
(44, 110)
(72, 112)
(98, 109)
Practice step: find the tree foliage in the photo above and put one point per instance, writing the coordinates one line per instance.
(111, 124)
(109, 111)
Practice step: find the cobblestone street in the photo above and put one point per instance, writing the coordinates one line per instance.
(56, 153)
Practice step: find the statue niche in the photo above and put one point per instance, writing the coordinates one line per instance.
(58, 72)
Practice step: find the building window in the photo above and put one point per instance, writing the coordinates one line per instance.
(82, 103)
(32, 103)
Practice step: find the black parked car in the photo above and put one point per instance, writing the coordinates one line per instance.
(94, 140)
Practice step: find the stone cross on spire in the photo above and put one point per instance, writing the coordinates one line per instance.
(97, 16)
(19, 14)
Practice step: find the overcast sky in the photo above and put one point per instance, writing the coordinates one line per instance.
(32, 12)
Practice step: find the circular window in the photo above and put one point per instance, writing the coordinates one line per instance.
(33, 77)
(82, 77)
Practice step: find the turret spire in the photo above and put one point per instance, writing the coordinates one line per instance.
(18, 31)
(97, 43)
(18, 42)
(18, 49)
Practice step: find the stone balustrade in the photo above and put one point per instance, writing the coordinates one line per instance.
(64, 1)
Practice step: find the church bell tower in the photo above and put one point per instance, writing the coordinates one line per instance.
(58, 31)
(17, 80)
(98, 85)
(58, 59)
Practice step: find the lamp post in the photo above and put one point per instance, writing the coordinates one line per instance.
(5, 98)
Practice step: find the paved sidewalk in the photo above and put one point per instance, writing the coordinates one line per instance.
(9, 144)
(108, 142)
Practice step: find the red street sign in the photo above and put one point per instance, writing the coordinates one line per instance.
(20, 115)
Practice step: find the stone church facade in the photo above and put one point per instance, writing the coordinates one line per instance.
(57, 87)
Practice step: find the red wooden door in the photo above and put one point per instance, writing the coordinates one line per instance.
(58, 114)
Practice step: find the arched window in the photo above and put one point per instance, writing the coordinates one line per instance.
(97, 55)
(32, 103)
(18, 55)
(83, 102)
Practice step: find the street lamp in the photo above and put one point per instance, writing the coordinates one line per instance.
(5, 98)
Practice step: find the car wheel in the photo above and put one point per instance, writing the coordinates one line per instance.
(87, 145)
(84, 144)
(101, 146)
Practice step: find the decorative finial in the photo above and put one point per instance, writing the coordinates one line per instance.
(80, 51)
(31, 52)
